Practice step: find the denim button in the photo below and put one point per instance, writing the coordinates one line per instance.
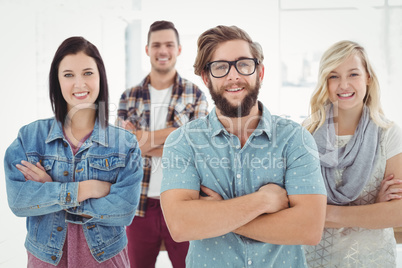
(59, 228)
(65, 173)
(54, 258)
(65, 144)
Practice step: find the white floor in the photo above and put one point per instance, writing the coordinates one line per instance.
(399, 255)
(163, 260)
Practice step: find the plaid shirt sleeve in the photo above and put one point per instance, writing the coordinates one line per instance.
(201, 105)
(188, 102)
(132, 106)
(123, 109)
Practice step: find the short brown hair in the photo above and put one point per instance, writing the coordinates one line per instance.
(163, 25)
(210, 39)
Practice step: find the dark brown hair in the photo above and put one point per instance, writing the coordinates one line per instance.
(163, 25)
(72, 46)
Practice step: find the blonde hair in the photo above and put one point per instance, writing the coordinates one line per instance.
(331, 59)
(210, 39)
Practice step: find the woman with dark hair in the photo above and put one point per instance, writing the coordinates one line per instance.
(75, 178)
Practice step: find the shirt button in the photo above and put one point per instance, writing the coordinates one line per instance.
(59, 228)
(65, 173)
(238, 176)
(54, 258)
(249, 262)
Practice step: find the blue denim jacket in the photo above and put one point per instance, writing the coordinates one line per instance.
(110, 154)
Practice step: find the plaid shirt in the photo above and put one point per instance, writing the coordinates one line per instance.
(188, 102)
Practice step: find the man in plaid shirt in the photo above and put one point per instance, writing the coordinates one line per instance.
(162, 102)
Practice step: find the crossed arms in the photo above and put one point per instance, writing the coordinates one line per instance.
(265, 215)
(385, 213)
(150, 142)
(268, 215)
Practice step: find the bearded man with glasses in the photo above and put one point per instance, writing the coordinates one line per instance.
(242, 185)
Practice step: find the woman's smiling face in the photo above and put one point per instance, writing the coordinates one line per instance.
(79, 79)
(347, 84)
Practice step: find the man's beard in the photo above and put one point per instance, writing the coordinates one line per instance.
(163, 71)
(229, 110)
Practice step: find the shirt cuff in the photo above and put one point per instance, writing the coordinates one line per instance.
(69, 195)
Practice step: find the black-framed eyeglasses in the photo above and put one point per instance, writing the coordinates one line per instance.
(221, 68)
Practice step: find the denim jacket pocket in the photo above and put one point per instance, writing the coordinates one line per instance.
(47, 164)
(105, 168)
(45, 161)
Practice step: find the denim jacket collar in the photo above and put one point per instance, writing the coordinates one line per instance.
(99, 134)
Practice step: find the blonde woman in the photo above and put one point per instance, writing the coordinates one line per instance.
(361, 159)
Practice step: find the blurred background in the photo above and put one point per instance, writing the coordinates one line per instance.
(293, 34)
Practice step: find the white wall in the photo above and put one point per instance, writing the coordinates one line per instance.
(30, 32)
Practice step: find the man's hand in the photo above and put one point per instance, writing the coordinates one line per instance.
(34, 172)
(211, 195)
(142, 138)
(390, 189)
(141, 135)
(276, 196)
(128, 125)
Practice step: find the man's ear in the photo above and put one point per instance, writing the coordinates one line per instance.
(205, 77)
(261, 73)
(146, 50)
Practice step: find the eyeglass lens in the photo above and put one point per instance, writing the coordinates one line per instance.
(222, 68)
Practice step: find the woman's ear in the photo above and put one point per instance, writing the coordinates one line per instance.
(369, 80)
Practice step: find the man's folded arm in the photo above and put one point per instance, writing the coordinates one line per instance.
(301, 224)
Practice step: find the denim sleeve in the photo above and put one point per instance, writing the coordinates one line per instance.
(30, 198)
(119, 206)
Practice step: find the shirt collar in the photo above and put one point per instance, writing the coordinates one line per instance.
(99, 134)
(264, 126)
(177, 81)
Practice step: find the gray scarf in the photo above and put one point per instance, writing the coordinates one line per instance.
(357, 158)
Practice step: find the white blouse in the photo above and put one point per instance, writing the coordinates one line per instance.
(360, 247)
